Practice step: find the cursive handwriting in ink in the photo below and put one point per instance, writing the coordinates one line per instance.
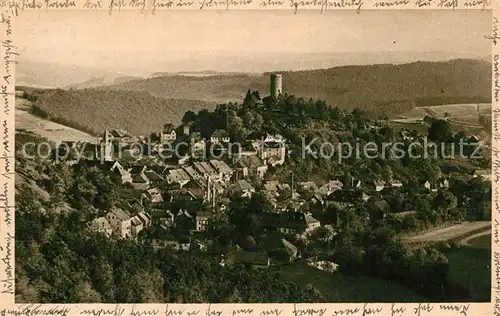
(184, 4)
(448, 4)
(309, 312)
(59, 4)
(118, 311)
(477, 3)
(141, 4)
(147, 312)
(397, 311)
(242, 311)
(223, 3)
(423, 3)
(271, 312)
(8, 282)
(323, 5)
(170, 312)
(92, 5)
(494, 37)
(370, 311)
(496, 79)
(161, 4)
(116, 4)
(422, 308)
(39, 309)
(212, 312)
(460, 308)
(346, 311)
(496, 233)
(10, 49)
(271, 3)
(391, 3)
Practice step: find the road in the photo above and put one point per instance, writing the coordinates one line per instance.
(449, 233)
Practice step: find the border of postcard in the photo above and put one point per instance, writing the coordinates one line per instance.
(13, 9)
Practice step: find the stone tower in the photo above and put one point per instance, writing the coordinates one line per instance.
(275, 87)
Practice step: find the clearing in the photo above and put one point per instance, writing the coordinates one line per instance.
(340, 288)
(25, 121)
(449, 233)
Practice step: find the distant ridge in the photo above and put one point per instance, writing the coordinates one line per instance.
(144, 105)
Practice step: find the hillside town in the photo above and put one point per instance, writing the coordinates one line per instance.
(172, 201)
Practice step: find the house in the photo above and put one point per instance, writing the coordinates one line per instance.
(329, 188)
(244, 188)
(290, 222)
(219, 136)
(290, 249)
(195, 176)
(444, 184)
(246, 166)
(274, 138)
(179, 176)
(162, 217)
(324, 265)
(375, 185)
(224, 170)
(168, 133)
(485, 174)
(257, 260)
(139, 179)
(273, 152)
(426, 184)
(154, 196)
(153, 177)
(202, 219)
(124, 175)
(145, 219)
(120, 222)
(101, 225)
(307, 186)
(316, 199)
(199, 245)
(206, 170)
(136, 226)
(346, 198)
(396, 184)
(184, 221)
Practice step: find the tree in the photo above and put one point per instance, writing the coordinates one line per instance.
(440, 131)
(189, 116)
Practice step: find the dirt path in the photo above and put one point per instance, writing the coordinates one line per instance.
(466, 240)
(448, 233)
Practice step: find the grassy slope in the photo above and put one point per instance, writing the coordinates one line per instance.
(340, 288)
(468, 267)
(94, 110)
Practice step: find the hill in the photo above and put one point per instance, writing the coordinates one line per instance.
(109, 79)
(93, 110)
(382, 89)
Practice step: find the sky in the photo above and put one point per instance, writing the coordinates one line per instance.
(129, 39)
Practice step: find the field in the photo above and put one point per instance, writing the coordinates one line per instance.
(455, 232)
(25, 121)
(339, 288)
(470, 267)
(461, 116)
(482, 241)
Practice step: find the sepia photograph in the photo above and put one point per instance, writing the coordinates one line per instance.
(253, 156)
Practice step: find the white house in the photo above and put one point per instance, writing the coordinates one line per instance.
(120, 222)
